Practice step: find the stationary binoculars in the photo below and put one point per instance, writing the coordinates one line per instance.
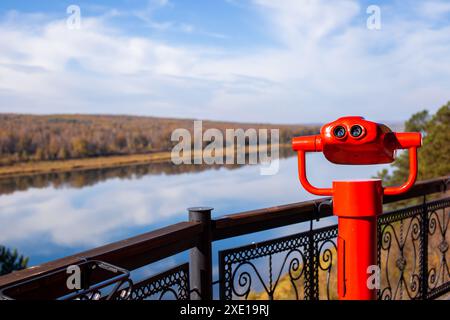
(356, 141)
(357, 203)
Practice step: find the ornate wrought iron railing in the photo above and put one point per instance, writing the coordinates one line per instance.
(172, 284)
(413, 255)
(413, 251)
(301, 258)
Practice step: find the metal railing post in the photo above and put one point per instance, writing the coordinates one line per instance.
(424, 251)
(312, 267)
(200, 257)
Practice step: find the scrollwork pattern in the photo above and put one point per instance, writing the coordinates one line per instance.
(300, 257)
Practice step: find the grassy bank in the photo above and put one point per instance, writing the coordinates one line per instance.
(31, 168)
(39, 167)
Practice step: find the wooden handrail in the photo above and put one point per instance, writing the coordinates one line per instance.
(130, 254)
(259, 220)
(422, 188)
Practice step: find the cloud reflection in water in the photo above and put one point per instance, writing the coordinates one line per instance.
(51, 222)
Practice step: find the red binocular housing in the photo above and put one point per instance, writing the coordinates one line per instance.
(356, 141)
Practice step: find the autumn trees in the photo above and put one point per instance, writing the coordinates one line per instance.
(26, 138)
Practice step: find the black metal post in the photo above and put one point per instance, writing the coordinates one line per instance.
(200, 257)
(424, 251)
(311, 275)
(379, 248)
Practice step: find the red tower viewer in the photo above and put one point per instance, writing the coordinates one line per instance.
(353, 140)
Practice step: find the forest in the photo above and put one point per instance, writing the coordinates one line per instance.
(26, 138)
(434, 155)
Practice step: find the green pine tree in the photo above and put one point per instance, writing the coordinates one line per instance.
(434, 155)
(11, 261)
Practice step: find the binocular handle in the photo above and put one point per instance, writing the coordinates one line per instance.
(307, 143)
(411, 177)
(408, 140)
(387, 191)
(304, 179)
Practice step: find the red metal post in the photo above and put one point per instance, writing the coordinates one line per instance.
(357, 204)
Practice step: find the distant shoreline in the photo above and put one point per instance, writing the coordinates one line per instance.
(103, 162)
(40, 167)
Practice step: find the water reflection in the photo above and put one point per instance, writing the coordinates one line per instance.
(65, 214)
(84, 178)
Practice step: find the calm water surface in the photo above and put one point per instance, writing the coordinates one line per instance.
(51, 216)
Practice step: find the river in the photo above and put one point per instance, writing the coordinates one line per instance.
(50, 216)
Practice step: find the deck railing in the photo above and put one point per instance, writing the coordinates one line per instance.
(413, 256)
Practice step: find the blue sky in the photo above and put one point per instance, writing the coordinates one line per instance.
(214, 21)
(240, 60)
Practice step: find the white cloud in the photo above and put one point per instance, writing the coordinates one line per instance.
(301, 22)
(326, 64)
(434, 9)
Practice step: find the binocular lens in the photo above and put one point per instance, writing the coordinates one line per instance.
(339, 132)
(356, 131)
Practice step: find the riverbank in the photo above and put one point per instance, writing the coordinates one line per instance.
(40, 167)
